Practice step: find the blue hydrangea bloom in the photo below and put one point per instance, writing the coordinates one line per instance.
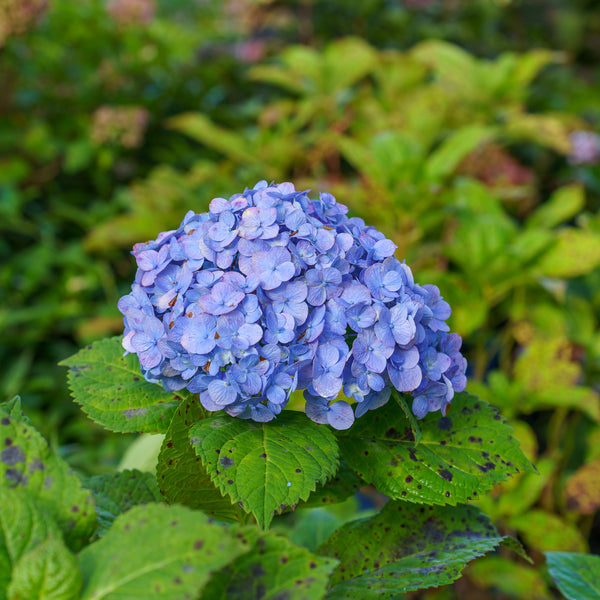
(272, 291)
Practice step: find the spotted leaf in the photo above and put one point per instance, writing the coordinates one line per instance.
(266, 467)
(405, 547)
(182, 478)
(274, 568)
(157, 551)
(113, 392)
(27, 463)
(459, 455)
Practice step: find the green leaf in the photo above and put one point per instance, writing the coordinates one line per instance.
(582, 489)
(548, 532)
(47, 572)
(460, 455)
(203, 130)
(181, 477)
(266, 467)
(512, 579)
(113, 392)
(23, 526)
(274, 569)
(346, 62)
(344, 484)
(416, 430)
(26, 463)
(575, 253)
(157, 551)
(576, 575)
(563, 205)
(404, 548)
(116, 493)
(454, 148)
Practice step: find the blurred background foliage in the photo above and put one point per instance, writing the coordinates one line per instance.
(466, 130)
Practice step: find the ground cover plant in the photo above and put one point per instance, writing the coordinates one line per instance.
(476, 156)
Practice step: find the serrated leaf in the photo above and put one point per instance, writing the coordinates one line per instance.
(459, 456)
(27, 463)
(157, 551)
(274, 569)
(47, 572)
(266, 467)
(112, 391)
(23, 526)
(116, 493)
(404, 548)
(344, 484)
(576, 575)
(181, 476)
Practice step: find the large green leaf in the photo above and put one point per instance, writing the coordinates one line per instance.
(23, 526)
(576, 575)
(157, 551)
(459, 456)
(266, 467)
(181, 476)
(47, 572)
(406, 547)
(274, 569)
(27, 463)
(116, 493)
(113, 392)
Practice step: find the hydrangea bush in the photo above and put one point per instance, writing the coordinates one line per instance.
(267, 293)
(271, 291)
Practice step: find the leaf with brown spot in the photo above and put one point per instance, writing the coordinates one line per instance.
(112, 391)
(300, 454)
(157, 545)
(180, 474)
(406, 547)
(459, 455)
(28, 464)
(583, 489)
(274, 569)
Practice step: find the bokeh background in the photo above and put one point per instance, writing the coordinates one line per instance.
(466, 130)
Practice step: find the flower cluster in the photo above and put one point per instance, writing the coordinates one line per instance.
(271, 291)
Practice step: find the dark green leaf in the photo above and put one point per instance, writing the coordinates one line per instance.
(181, 476)
(406, 547)
(113, 392)
(576, 575)
(157, 551)
(266, 467)
(344, 484)
(47, 572)
(116, 493)
(460, 454)
(26, 463)
(274, 569)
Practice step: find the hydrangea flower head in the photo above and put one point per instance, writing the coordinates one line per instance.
(271, 291)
